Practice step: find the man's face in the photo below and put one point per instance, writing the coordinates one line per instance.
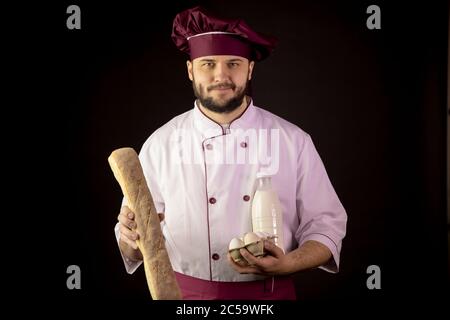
(220, 82)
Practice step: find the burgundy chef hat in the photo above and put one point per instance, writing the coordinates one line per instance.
(199, 33)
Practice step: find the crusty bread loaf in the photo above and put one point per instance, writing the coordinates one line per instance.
(158, 270)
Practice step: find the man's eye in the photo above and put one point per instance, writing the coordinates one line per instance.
(208, 64)
(233, 64)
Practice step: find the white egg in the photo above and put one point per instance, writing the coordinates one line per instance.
(235, 243)
(251, 237)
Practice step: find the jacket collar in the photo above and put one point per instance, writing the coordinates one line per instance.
(209, 128)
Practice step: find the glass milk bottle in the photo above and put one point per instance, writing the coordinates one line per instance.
(266, 210)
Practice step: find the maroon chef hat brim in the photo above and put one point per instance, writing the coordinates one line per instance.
(236, 35)
(213, 44)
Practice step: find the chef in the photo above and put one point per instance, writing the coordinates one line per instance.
(201, 169)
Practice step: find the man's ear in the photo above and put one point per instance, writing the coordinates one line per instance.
(250, 69)
(189, 70)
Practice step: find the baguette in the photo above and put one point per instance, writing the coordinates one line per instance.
(158, 270)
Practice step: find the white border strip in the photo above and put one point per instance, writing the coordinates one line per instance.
(212, 32)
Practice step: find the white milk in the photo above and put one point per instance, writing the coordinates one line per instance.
(266, 210)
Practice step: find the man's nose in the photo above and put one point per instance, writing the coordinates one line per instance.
(221, 72)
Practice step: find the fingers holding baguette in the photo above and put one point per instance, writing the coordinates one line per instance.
(127, 226)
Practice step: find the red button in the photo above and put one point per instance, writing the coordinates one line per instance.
(244, 144)
(215, 256)
(209, 146)
(246, 197)
(212, 200)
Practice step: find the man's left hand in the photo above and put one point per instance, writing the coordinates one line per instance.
(274, 263)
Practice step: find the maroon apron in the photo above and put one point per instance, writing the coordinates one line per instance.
(272, 288)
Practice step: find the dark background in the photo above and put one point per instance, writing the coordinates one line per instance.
(374, 102)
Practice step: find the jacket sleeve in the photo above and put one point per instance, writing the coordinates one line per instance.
(321, 214)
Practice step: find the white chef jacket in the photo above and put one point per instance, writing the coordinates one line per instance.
(202, 177)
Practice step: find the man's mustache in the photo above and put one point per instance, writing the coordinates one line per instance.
(222, 86)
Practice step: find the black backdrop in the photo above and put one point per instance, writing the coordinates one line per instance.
(374, 102)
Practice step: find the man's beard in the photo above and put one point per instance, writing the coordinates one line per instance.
(226, 107)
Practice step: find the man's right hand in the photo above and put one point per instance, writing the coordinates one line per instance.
(128, 233)
(127, 227)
